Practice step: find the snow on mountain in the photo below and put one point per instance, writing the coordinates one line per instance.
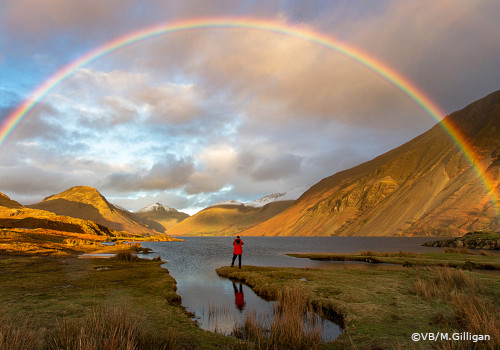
(290, 195)
(156, 207)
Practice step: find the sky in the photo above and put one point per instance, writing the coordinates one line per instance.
(192, 118)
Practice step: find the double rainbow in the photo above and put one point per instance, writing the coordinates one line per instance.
(391, 75)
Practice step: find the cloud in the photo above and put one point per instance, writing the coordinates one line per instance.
(283, 166)
(229, 113)
(171, 174)
(119, 97)
(218, 165)
(276, 78)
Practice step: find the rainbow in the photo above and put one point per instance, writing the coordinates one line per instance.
(391, 75)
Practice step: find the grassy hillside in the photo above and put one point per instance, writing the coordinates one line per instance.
(226, 220)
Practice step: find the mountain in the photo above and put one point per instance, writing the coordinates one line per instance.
(227, 219)
(424, 187)
(290, 195)
(160, 217)
(5, 201)
(27, 218)
(87, 203)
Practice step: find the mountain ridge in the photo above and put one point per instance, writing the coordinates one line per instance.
(225, 219)
(159, 217)
(87, 203)
(425, 186)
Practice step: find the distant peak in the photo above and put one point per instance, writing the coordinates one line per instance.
(83, 194)
(156, 207)
(290, 195)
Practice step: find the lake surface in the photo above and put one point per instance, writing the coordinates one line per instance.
(219, 304)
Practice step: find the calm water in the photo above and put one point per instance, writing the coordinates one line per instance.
(219, 304)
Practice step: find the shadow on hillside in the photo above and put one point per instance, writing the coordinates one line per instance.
(40, 223)
(151, 224)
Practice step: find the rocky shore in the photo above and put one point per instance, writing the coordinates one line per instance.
(471, 240)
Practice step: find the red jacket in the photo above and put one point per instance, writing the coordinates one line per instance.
(237, 246)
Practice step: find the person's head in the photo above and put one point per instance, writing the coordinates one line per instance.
(238, 237)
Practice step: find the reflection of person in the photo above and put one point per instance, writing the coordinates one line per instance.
(238, 250)
(239, 297)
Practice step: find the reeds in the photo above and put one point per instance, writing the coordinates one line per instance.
(472, 314)
(18, 337)
(399, 254)
(294, 325)
(445, 283)
(112, 329)
(126, 256)
(462, 250)
(215, 311)
(100, 328)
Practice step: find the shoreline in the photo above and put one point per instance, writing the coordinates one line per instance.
(469, 260)
(382, 308)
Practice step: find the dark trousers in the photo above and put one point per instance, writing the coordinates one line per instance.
(234, 258)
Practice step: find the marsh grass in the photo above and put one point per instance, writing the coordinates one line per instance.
(19, 336)
(126, 256)
(108, 328)
(215, 311)
(476, 317)
(472, 313)
(458, 251)
(453, 258)
(294, 325)
(399, 254)
(445, 283)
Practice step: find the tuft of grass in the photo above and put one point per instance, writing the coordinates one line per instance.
(485, 253)
(473, 315)
(446, 282)
(136, 247)
(462, 250)
(126, 256)
(294, 325)
(18, 337)
(108, 328)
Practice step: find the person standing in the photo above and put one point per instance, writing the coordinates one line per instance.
(238, 250)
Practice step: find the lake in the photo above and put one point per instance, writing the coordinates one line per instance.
(219, 304)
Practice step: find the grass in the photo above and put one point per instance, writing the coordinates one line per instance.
(68, 300)
(108, 328)
(126, 256)
(381, 308)
(45, 242)
(19, 336)
(462, 258)
(473, 313)
(446, 283)
(293, 325)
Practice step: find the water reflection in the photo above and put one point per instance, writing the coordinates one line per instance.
(239, 297)
(193, 262)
